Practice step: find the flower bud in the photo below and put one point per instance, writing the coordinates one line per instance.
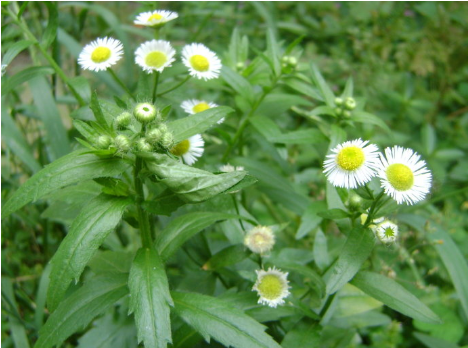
(350, 103)
(123, 120)
(103, 142)
(346, 114)
(167, 140)
(240, 65)
(122, 143)
(354, 201)
(154, 136)
(338, 111)
(145, 112)
(142, 145)
(292, 61)
(338, 101)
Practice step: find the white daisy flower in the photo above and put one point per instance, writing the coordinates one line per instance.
(189, 149)
(260, 239)
(386, 231)
(272, 286)
(154, 55)
(100, 54)
(155, 18)
(352, 163)
(227, 168)
(201, 61)
(194, 106)
(403, 175)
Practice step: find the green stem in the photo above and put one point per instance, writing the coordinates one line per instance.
(175, 87)
(155, 87)
(373, 210)
(142, 214)
(120, 82)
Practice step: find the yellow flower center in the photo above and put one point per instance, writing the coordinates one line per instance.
(156, 59)
(156, 16)
(350, 158)
(100, 54)
(400, 176)
(199, 63)
(181, 148)
(200, 107)
(270, 287)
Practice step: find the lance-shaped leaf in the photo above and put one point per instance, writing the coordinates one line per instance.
(356, 250)
(78, 310)
(86, 234)
(191, 184)
(72, 168)
(228, 325)
(150, 299)
(394, 295)
(194, 124)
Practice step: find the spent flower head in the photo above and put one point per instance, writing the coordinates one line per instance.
(272, 286)
(201, 61)
(260, 239)
(100, 54)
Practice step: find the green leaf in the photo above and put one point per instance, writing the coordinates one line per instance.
(97, 110)
(356, 250)
(23, 76)
(75, 167)
(394, 296)
(150, 299)
(302, 335)
(212, 317)
(87, 233)
(226, 257)
(238, 83)
(428, 136)
(333, 214)
(81, 85)
(109, 261)
(348, 91)
(51, 30)
(450, 329)
(367, 118)
(247, 181)
(198, 123)
(78, 310)
(164, 204)
(321, 257)
(319, 81)
(191, 184)
(41, 297)
(179, 230)
(433, 342)
(86, 130)
(322, 110)
(310, 219)
(14, 50)
(304, 88)
(273, 51)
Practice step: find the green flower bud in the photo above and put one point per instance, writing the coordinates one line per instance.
(338, 101)
(123, 120)
(103, 142)
(354, 201)
(145, 112)
(154, 136)
(143, 145)
(338, 110)
(292, 61)
(240, 65)
(163, 128)
(122, 143)
(346, 114)
(350, 103)
(167, 140)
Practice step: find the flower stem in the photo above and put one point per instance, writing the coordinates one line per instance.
(175, 87)
(120, 83)
(143, 218)
(373, 209)
(155, 87)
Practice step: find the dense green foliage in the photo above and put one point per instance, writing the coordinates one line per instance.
(108, 244)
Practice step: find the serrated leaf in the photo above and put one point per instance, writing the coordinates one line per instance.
(212, 317)
(87, 233)
(179, 230)
(78, 310)
(75, 167)
(150, 299)
(356, 250)
(194, 124)
(394, 295)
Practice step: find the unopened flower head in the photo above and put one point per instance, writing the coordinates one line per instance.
(155, 18)
(122, 143)
(143, 145)
(154, 55)
(352, 163)
(100, 54)
(272, 287)
(387, 231)
(227, 168)
(403, 175)
(145, 112)
(260, 239)
(123, 120)
(201, 61)
(189, 149)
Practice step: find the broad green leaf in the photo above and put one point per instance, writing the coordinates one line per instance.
(190, 184)
(226, 257)
(75, 167)
(194, 124)
(320, 83)
(321, 257)
(356, 250)
(368, 118)
(164, 204)
(333, 214)
(305, 88)
(150, 299)
(228, 325)
(433, 342)
(109, 261)
(302, 136)
(247, 181)
(322, 110)
(179, 230)
(238, 83)
(78, 310)
(14, 50)
(310, 277)
(51, 30)
(451, 327)
(394, 296)
(310, 219)
(87, 233)
(303, 335)
(23, 76)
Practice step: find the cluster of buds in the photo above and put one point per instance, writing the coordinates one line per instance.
(288, 64)
(344, 106)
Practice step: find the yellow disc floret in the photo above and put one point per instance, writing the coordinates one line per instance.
(350, 158)
(199, 63)
(156, 59)
(100, 54)
(181, 148)
(400, 176)
(200, 107)
(156, 16)
(270, 287)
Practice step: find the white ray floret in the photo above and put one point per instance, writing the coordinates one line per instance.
(155, 55)
(190, 149)
(201, 61)
(100, 54)
(155, 18)
(272, 286)
(227, 168)
(194, 106)
(352, 163)
(404, 177)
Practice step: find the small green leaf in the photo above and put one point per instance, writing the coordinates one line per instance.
(367, 118)
(150, 299)
(226, 257)
(321, 257)
(394, 295)
(14, 50)
(333, 214)
(81, 85)
(428, 136)
(348, 91)
(97, 110)
(23, 76)
(87, 233)
(212, 317)
(238, 83)
(78, 310)
(320, 83)
(51, 30)
(433, 342)
(86, 130)
(310, 219)
(302, 336)
(164, 204)
(273, 51)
